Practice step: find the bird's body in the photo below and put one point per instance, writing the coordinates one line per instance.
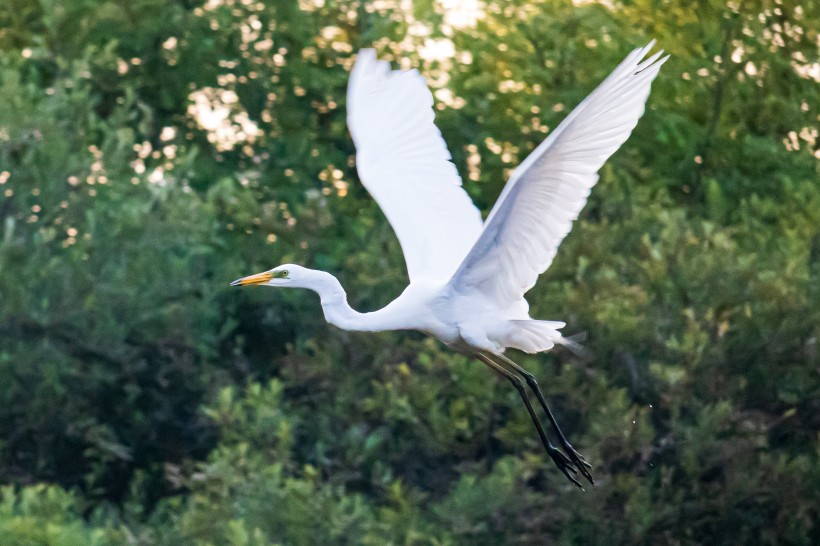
(461, 321)
(467, 277)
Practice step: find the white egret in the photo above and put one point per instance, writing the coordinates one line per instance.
(468, 277)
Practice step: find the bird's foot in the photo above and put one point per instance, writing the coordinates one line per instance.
(564, 464)
(578, 460)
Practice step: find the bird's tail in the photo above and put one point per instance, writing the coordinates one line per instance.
(533, 336)
(573, 344)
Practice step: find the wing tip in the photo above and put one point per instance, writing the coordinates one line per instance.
(366, 54)
(653, 61)
(368, 64)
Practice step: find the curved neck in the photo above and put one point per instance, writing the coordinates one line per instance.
(339, 313)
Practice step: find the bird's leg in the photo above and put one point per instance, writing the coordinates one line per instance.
(561, 461)
(576, 457)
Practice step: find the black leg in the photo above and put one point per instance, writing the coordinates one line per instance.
(561, 461)
(576, 457)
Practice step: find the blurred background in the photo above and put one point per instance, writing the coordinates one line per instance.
(151, 151)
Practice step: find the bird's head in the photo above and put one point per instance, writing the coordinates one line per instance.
(285, 275)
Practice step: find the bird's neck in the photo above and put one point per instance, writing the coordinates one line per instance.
(339, 313)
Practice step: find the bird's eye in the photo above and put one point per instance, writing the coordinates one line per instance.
(283, 274)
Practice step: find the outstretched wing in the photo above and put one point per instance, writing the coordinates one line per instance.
(547, 191)
(404, 164)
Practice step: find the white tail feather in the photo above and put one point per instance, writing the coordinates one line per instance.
(533, 336)
(573, 343)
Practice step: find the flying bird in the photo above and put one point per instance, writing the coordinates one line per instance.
(468, 277)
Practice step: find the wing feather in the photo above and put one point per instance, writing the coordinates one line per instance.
(404, 163)
(547, 191)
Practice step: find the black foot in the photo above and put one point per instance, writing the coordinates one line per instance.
(578, 460)
(564, 464)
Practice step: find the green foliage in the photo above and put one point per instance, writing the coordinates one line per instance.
(165, 408)
(44, 515)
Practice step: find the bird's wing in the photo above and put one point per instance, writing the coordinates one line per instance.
(547, 191)
(404, 163)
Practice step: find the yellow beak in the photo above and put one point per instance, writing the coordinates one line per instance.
(259, 278)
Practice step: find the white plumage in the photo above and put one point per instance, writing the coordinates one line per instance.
(547, 191)
(468, 278)
(404, 164)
